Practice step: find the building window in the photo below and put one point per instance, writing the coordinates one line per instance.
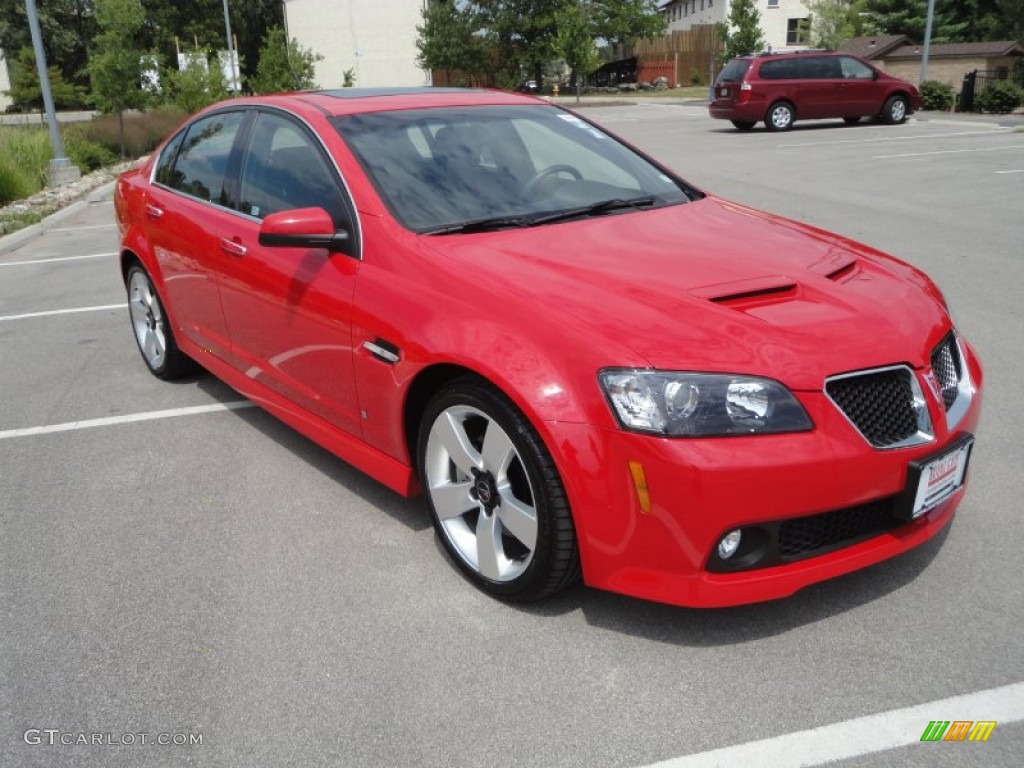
(796, 31)
(773, 3)
(702, 5)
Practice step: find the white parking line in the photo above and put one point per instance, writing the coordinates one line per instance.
(1019, 170)
(864, 735)
(122, 305)
(126, 419)
(950, 152)
(896, 138)
(79, 229)
(58, 258)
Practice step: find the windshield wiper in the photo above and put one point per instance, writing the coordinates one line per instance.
(507, 222)
(481, 225)
(594, 209)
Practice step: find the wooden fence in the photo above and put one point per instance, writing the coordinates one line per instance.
(689, 54)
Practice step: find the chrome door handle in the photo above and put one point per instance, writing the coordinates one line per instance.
(153, 212)
(232, 248)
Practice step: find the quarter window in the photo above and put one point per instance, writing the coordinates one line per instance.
(855, 70)
(203, 158)
(284, 170)
(165, 167)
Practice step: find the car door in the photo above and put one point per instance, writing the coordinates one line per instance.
(861, 93)
(289, 310)
(819, 92)
(184, 206)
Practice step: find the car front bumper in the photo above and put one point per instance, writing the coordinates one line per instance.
(699, 489)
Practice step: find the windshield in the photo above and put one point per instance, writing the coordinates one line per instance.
(441, 169)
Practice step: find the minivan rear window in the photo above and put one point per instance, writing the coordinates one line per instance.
(734, 71)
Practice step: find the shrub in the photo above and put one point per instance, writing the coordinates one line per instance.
(13, 184)
(1000, 97)
(937, 96)
(86, 154)
(27, 152)
(143, 131)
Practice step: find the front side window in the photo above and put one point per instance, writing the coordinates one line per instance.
(284, 169)
(202, 160)
(437, 168)
(853, 69)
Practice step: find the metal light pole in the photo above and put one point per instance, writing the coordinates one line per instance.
(927, 40)
(61, 171)
(231, 50)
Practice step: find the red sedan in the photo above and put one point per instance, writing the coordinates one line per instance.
(588, 366)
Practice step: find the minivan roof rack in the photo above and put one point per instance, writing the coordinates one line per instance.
(801, 50)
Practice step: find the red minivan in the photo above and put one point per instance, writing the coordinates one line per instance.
(781, 88)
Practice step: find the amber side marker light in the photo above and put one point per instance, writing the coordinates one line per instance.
(643, 495)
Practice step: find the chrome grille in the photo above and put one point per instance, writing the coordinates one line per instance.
(948, 369)
(885, 405)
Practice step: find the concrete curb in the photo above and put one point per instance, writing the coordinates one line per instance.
(17, 239)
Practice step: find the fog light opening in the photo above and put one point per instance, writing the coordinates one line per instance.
(729, 544)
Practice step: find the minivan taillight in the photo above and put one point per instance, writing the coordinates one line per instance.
(745, 86)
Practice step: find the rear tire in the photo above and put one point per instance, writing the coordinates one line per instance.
(494, 494)
(895, 110)
(743, 125)
(779, 116)
(152, 331)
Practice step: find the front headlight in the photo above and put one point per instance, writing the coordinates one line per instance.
(701, 404)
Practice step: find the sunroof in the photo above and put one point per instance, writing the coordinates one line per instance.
(361, 93)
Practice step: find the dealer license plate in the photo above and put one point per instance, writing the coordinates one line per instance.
(940, 477)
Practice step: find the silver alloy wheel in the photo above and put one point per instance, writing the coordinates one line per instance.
(481, 493)
(781, 117)
(898, 111)
(147, 319)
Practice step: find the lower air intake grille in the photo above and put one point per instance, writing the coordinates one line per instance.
(880, 404)
(806, 536)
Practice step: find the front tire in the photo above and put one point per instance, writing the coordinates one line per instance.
(494, 494)
(779, 116)
(151, 328)
(895, 110)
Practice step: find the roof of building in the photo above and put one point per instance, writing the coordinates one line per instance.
(995, 48)
(873, 46)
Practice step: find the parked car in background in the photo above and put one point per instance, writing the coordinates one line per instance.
(781, 88)
(587, 365)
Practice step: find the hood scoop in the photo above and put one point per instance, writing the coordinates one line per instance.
(837, 267)
(750, 293)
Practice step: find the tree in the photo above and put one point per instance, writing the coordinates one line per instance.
(448, 41)
(26, 92)
(198, 84)
(574, 42)
(618, 22)
(834, 21)
(68, 28)
(956, 21)
(284, 66)
(742, 32)
(115, 67)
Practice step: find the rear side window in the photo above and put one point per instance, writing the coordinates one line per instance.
(820, 68)
(779, 69)
(203, 158)
(734, 71)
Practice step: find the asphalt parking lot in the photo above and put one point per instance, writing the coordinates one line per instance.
(175, 563)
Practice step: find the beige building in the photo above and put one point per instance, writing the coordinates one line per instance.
(782, 21)
(376, 39)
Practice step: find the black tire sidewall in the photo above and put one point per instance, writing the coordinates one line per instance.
(175, 363)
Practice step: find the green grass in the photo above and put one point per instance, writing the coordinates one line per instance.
(24, 158)
(12, 222)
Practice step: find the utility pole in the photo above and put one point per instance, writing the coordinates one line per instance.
(61, 171)
(231, 51)
(927, 40)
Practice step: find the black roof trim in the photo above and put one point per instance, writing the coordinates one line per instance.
(363, 93)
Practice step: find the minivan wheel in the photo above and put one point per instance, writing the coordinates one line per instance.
(494, 494)
(743, 125)
(779, 116)
(895, 110)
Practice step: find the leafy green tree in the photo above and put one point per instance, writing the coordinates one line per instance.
(448, 41)
(26, 93)
(68, 28)
(115, 67)
(956, 21)
(742, 32)
(574, 42)
(834, 21)
(198, 84)
(619, 22)
(284, 66)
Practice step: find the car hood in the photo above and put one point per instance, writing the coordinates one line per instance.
(712, 285)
